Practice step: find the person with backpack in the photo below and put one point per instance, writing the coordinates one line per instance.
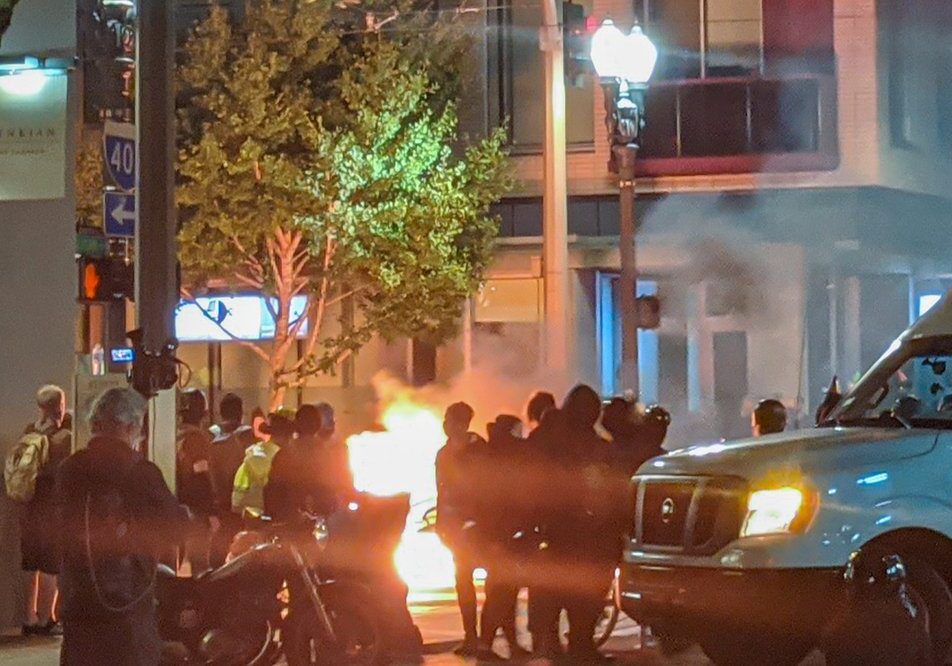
(116, 514)
(225, 457)
(30, 475)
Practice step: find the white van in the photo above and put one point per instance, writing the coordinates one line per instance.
(742, 545)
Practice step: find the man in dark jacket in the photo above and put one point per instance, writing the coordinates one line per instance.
(635, 439)
(581, 525)
(456, 511)
(500, 516)
(308, 476)
(38, 523)
(541, 465)
(116, 513)
(228, 450)
(226, 455)
(193, 478)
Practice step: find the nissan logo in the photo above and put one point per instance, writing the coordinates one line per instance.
(667, 510)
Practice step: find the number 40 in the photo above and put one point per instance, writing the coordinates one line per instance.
(123, 158)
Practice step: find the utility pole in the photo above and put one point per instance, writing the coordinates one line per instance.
(156, 255)
(625, 156)
(555, 196)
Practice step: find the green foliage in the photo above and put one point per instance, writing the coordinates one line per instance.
(321, 157)
(88, 180)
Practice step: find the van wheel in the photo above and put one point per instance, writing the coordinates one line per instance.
(743, 648)
(926, 642)
(927, 587)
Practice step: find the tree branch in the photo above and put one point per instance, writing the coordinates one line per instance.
(337, 299)
(320, 307)
(249, 282)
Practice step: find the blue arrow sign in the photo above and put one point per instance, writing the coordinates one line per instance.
(119, 152)
(119, 214)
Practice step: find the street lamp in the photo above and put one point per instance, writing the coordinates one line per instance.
(624, 64)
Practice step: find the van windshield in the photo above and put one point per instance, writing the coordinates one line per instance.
(911, 386)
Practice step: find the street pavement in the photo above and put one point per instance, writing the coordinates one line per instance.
(438, 619)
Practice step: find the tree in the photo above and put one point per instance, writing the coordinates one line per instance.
(88, 179)
(320, 157)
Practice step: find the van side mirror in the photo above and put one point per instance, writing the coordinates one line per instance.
(830, 400)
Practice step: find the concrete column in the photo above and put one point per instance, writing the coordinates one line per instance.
(849, 363)
(555, 197)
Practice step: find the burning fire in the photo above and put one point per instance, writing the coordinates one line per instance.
(401, 459)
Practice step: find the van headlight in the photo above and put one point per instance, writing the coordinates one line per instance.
(777, 511)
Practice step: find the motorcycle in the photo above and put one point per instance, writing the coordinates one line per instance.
(266, 602)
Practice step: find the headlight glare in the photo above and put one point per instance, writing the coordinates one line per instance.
(772, 511)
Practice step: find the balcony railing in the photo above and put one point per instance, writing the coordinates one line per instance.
(740, 125)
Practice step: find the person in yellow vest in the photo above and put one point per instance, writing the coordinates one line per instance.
(252, 476)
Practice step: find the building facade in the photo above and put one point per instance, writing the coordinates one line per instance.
(791, 202)
(792, 199)
(37, 116)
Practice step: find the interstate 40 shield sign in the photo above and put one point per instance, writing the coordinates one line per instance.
(119, 153)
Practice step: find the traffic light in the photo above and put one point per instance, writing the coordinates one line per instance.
(104, 279)
(576, 41)
(107, 48)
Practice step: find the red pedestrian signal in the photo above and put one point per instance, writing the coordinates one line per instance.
(92, 280)
(106, 279)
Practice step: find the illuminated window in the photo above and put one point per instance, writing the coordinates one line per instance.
(704, 38)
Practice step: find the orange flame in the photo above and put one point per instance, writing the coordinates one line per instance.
(401, 459)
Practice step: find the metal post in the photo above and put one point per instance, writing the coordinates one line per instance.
(156, 261)
(625, 157)
(156, 282)
(114, 334)
(555, 195)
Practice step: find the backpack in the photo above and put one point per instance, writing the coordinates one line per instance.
(23, 465)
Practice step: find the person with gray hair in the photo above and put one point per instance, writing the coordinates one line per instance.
(38, 520)
(116, 514)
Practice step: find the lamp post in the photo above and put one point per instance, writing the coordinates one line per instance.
(624, 64)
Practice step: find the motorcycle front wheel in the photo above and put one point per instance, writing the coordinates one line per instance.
(357, 637)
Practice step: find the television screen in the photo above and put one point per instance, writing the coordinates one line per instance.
(212, 318)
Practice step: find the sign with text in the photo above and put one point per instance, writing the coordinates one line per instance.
(119, 214)
(32, 136)
(119, 152)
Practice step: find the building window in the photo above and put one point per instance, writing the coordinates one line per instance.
(919, 82)
(705, 38)
(516, 78)
(944, 100)
(733, 117)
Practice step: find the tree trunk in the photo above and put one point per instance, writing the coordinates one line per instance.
(283, 250)
(277, 398)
